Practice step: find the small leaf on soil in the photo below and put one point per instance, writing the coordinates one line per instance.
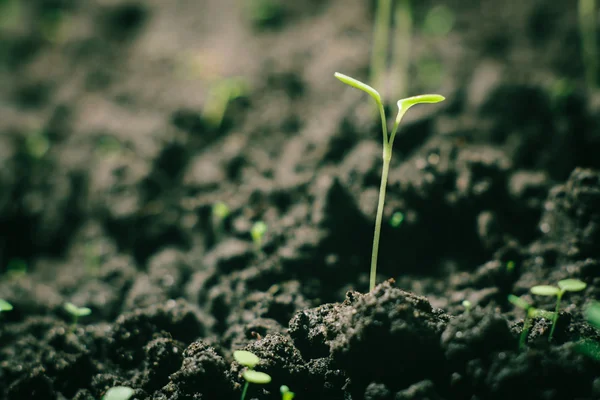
(256, 377)
(246, 358)
(545, 290)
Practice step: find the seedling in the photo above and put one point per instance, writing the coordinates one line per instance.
(258, 231)
(592, 314)
(285, 393)
(118, 393)
(396, 219)
(467, 305)
(530, 313)
(220, 211)
(249, 360)
(388, 142)
(77, 312)
(566, 285)
(220, 95)
(510, 266)
(5, 306)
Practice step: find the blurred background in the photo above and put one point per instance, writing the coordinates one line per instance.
(122, 123)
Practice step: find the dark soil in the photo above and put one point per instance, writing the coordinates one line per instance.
(110, 166)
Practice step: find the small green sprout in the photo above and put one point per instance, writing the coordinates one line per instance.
(258, 231)
(220, 95)
(510, 266)
(530, 313)
(5, 306)
(396, 219)
(118, 393)
(220, 211)
(592, 314)
(388, 142)
(286, 394)
(77, 312)
(467, 305)
(566, 285)
(250, 360)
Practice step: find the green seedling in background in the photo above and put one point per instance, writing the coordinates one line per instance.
(592, 314)
(510, 267)
(250, 360)
(381, 37)
(396, 219)
(566, 285)
(467, 305)
(264, 13)
(388, 142)
(589, 347)
(286, 394)
(258, 231)
(530, 313)
(5, 306)
(77, 312)
(222, 93)
(220, 211)
(118, 393)
(589, 47)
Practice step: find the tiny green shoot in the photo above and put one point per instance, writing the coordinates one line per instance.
(220, 211)
(77, 312)
(396, 219)
(566, 285)
(220, 96)
(5, 306)
(250, 360)
(592, 314)
(510, 266)
(257, 232)
(530, 313)
(118, 393)
(467, 305)
(388, 142)
(286, 394)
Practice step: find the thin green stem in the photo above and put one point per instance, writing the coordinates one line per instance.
(244, 391)
(555, 318)
(387, 156)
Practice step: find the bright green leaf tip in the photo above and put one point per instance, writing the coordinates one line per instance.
(572, 285)
(355, 83)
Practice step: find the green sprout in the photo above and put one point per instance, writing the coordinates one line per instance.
(258, 231)
(530, 313)
(220, 95)
(587, 29)
(5, 306)
(592, 314)
(396, 219)
(388, 142)
(286, 394)
(77, 312)
(249, 360)
(566, 285)
(510, 266)
(381, 35)
(118, 393)
(467, 305)
(220, 211)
